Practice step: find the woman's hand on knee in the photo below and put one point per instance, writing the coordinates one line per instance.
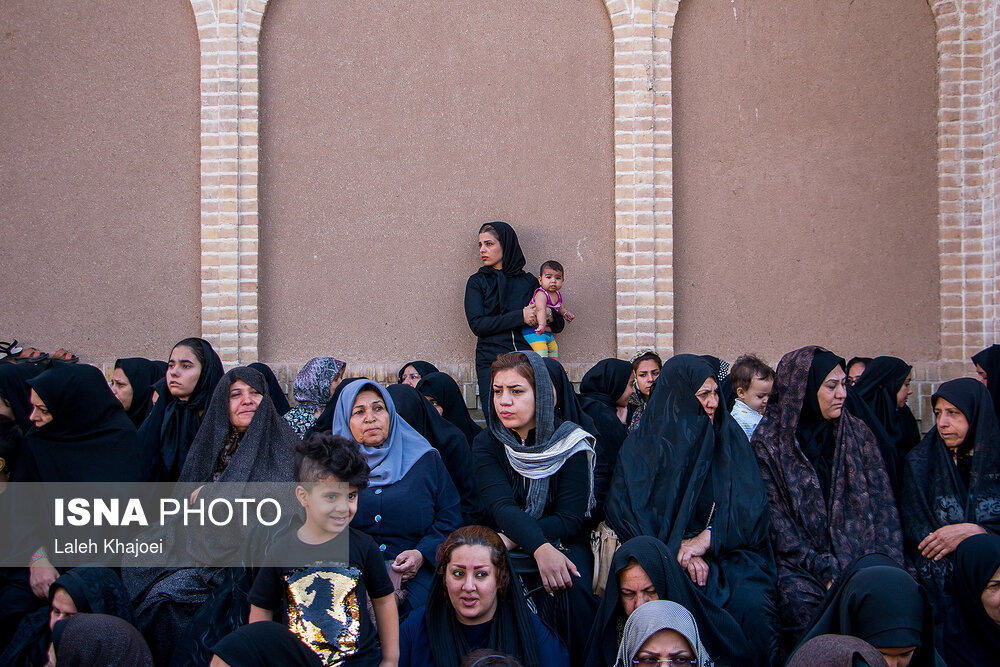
(556, 570)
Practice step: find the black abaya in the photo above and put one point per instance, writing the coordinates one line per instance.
(443, 389)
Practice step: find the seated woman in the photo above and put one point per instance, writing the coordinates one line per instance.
(535, 478)
(242, 439)
(836, 651)
(274, 390)
(314, 386)
(661, 632)
(643, 570)
(605, 391)
(446, 397)
(878, 601)
(951, 484)
(987, 363)
(410, 504)
(14, 392)
(687, 478)
(830, 498)
(192, 373)
(446, 439)
(98, 639)
(476, 602)
(856, 368)
(412, 372)
(95, 590)
(132, 384)
(972, 636)
(646, 367)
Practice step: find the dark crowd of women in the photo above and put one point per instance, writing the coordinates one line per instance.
(634, 521)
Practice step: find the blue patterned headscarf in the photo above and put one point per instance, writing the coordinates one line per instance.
(312, 384)
(404, 446)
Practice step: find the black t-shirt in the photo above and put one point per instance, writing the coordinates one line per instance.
(323, 602)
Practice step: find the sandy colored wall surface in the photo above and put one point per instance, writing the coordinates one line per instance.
(805, 177)
(99, 175)
(388, 136)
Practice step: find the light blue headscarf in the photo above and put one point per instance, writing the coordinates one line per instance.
(404, 446)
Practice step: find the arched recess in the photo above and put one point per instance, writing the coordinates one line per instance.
(386, 138)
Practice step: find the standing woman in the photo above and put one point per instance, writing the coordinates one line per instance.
(497, 301)
(830, 498)
(951, 484)
(192, 373)
(988, 367)
(443, 393)
(534, 474)
(605, 391)
(132, 384)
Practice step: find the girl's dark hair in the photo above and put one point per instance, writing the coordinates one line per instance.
(10, 442)
(514, 361)
(649, 356)
(747, 368)
(477, 536)
(488, 228)
(323, 455)
(195, 345)
(487, 657)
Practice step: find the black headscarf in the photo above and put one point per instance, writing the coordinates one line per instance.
(989, 361)
(513, 262)
(443, 388)
(265, 644)
(816, 435)
(266, 452)
(422, 367)
(721, 635)
(325, 420)
(878, 387)
(727, 397)
(444, 437)
(274, 389)
(567, 402)
(878, 601)
(90, 438)
(167, 433)
(14, 387)
(934, 493)
(98, 639)
(141, 374)
(605, 382)
(972, 638)
(600, 390)
(512, 630)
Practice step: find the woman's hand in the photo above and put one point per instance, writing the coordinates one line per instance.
(696, 546)
(946, 539)
(530, 317)
(697, 569)
(568, 316)
(41, 576)
(557, 571)
(407, 563)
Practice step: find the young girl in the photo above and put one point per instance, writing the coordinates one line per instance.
(546, 299)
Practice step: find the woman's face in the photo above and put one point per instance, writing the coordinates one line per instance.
(708, 396)
(832, 393)
(183, 371)
(904, 391)
(991, 597)
(626, 395)
(62, 606)
(243, 403)
(121, 388)
(471, 581)
(335, 382)
(370, 419)
(437, 406)
(981, 373)
(5, 409)
(40, 415)
(411, 376)
(514, 401)
(645, 375)
(898, 657)
(634, 588)
(664, 645)
(951, 423)
(490, 251)
(854, 372)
